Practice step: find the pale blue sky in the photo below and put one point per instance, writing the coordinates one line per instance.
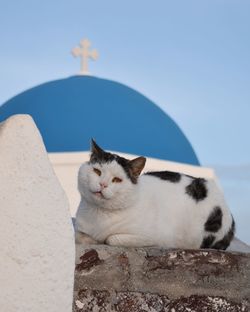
(192, 58)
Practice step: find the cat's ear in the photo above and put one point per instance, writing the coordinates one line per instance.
(136, 166)
(96, 151)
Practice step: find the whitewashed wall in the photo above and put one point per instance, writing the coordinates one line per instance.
(37, 258)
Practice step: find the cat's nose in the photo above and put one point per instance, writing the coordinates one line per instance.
(103, 185)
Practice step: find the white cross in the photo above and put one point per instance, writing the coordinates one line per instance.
(85, 54)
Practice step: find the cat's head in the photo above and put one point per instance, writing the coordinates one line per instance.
(108, 180)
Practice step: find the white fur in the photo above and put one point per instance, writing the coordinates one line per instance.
(153, 212)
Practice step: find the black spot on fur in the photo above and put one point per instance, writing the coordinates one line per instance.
(197, 189)
(226, 240)
(214, 220)
(166, 175)
(103, 157)
(207, 241)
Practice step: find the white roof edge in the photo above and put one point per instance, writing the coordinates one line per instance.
(73, 158)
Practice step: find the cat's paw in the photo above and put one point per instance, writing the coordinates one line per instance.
(128, 240)
(113, 240)
(82, 238)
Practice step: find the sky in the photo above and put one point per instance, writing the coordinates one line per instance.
(192, 58)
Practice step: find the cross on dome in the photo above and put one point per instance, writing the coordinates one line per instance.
(84, 53)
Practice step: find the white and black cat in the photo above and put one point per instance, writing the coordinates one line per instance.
(121, 207)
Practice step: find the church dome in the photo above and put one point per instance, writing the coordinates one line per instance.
(69, 112)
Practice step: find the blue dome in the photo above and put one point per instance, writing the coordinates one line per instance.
(69, 112)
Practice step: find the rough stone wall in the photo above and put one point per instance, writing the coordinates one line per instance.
(151, 279)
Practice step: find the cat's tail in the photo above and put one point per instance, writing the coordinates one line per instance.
(227, 238)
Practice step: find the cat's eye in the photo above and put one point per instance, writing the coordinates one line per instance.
(116, 180)
(97, 171)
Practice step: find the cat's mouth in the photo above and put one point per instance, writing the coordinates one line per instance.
(98, 194)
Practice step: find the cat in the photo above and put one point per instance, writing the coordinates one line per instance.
(120, 206)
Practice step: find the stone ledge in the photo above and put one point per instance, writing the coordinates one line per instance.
(97, 300)
(152, 279)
